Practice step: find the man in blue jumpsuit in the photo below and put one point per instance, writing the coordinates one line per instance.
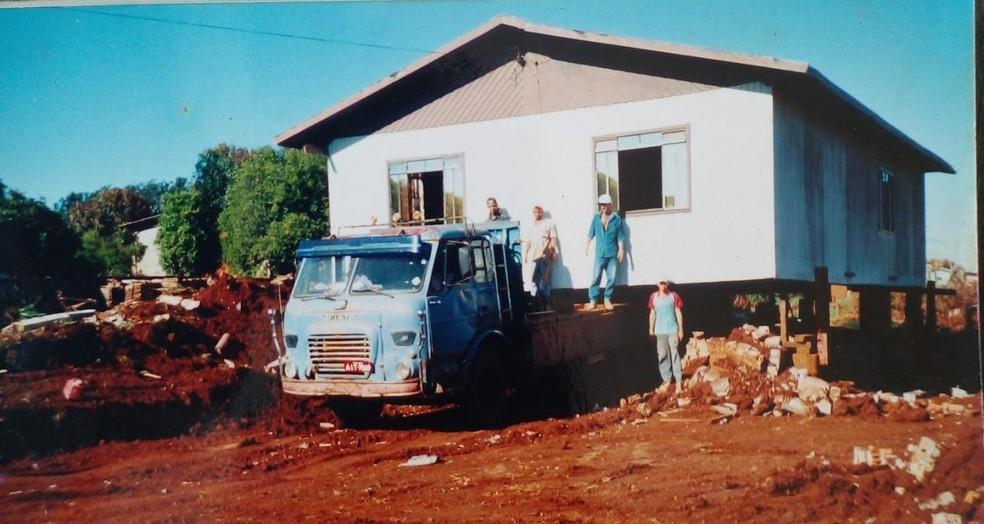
(609, 236)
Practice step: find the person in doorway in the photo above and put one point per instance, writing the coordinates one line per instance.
(666, 325)
(539, 252)
(495, 212)
(396, 219)
(609, 238)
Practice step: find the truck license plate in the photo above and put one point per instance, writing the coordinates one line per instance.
(357, 366)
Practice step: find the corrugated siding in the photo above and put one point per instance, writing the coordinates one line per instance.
(541, 85)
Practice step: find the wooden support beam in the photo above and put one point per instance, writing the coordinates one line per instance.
(821, 297)
(783, 316)
(913, 310)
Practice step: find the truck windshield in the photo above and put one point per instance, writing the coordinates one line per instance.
(323, 276)
(398, 272)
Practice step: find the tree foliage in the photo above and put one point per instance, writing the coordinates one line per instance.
(111, 254)
(182, 234)
(275, 199)
(98, 219)
(36, 240)
(153, 192)
(107, 209)
(189, 230)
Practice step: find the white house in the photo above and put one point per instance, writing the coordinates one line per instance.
(727, 167)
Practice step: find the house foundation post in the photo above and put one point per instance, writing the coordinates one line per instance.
(876, 311)
(913, 310)
(931, 305)
(821, 298)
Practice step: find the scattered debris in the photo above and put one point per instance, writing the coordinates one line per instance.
(33, 323)
(941, 501)
(73, 389)
(946, 518)
(420, 460)
(326, 425)
(229, 364)
(190, 304)
(148, 374)
(957, 392)
(924, 457)
(222, 343)
(171, 300)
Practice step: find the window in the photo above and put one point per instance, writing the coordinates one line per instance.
(433, 187)
(645, 170)
(458, 263)
(480, 249)
(323, 276)
(887, 221)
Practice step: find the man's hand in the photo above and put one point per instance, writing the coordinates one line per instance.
(680, 334)
(620, 255)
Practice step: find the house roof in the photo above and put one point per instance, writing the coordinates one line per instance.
(487, 53)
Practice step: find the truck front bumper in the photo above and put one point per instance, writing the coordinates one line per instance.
(352, 388)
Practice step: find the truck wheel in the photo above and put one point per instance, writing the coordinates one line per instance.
(356, 413)
(485, 396)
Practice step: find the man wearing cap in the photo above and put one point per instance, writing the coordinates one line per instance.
(609, 237)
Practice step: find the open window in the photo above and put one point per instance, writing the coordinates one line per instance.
(644, 171)
(433, 187)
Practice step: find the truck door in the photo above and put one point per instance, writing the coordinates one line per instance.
(452, 305)
(487, 314)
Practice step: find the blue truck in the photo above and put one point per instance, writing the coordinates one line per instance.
(423, 314)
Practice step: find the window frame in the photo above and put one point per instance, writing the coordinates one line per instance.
(892, 203)
(685, 128)
(460, 155)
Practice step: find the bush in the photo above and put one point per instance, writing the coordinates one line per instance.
(275, 199)
(182, 234)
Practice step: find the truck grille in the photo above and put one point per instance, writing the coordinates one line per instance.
(329, 353)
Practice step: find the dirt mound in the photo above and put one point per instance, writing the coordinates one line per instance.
(149, 369)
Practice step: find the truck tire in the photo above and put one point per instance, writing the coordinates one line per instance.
(485, 394)
(356, 412)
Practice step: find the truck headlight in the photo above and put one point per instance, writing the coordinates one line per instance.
(404, 338)
(403, 370)
(290, 369)
(290, 341)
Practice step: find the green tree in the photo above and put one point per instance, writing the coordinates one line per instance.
(111, 254)
(275, 199)
(182, 234)
(153, 192)
(189, 230)
(36, 240)
(99, 218)
(107, 209)
(213, 172)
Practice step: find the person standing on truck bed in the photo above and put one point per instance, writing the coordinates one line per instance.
(609, 236)
(495, 212)
(666, 324)
(539, 252)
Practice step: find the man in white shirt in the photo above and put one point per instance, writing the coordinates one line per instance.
(539, 252)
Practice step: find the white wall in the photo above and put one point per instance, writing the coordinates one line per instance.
(728, 234)
(150, 263)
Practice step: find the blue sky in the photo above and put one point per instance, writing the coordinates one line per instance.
(88, 100)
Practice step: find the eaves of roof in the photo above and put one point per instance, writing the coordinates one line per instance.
(299, 134)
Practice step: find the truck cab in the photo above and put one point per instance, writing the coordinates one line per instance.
(403, 314)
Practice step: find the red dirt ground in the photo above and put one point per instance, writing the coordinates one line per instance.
(208, 441)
